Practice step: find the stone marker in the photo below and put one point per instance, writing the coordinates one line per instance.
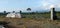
(14, 15)
(53, 14)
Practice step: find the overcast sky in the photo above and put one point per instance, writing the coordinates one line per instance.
(16, 5)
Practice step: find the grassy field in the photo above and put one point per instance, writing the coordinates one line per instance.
(32, 21)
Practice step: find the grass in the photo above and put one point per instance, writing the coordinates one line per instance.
(32, 21)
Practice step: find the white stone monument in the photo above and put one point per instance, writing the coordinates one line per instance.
(53, 13)
(13, 15)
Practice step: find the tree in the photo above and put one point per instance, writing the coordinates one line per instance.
(4, 12)
(20, 11)
(29, 9)
(13, 11)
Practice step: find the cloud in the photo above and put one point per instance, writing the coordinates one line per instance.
(47, 4)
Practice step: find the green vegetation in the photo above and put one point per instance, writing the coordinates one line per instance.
(39, 15)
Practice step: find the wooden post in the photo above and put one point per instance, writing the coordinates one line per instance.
(53, 14)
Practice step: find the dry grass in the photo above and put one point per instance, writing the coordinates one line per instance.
(30, 23)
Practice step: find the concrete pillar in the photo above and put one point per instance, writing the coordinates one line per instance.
(53, 14)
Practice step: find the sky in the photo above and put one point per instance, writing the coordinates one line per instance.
(35, 5)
